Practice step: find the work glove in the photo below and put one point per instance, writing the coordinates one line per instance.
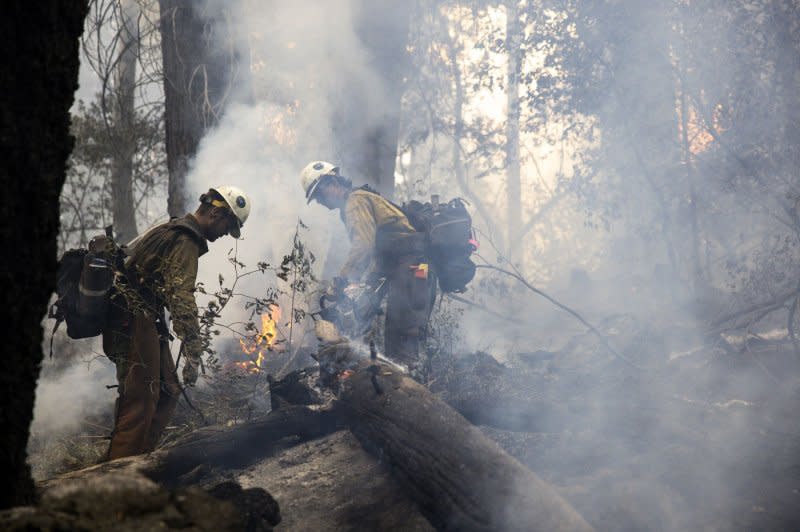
(191, 366)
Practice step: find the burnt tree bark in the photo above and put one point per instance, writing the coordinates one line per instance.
(365, 138)
(201, 67)
(460, 479)
(243, 444)
(39, 78)
(215, 446)
(368, 137)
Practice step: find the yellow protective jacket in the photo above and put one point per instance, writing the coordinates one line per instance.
(162, 270)
(367, 217)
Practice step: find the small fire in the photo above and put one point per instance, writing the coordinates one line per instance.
(255, 347)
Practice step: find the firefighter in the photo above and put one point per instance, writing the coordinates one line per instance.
(383, 244)
(160, 272)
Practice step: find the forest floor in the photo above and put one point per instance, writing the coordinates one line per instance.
(677, 430)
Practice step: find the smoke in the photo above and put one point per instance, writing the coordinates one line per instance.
(65, 396)
(73, 410)
(676, 442)
(304, 59)
(680, 442)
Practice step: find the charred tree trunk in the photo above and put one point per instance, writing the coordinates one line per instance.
(237, 446)
(39, 78)
(200, 71)
(124, 119)
(181, 30)
(369, 146)
(459, 478)
(216, 446)
(366, 137)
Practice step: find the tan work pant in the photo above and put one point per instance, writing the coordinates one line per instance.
(408, 308)
(148, 390)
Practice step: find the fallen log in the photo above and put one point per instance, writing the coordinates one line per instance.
(216, 446)
(460, 479)
(237, 446)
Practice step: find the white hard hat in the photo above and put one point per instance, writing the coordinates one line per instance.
(237, 201)
(312, 174)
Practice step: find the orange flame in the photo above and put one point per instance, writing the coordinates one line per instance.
(255, 347)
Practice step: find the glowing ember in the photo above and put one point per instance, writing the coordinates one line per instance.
(256, 346)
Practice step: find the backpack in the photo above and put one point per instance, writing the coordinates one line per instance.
(83, 285)
(450, 241)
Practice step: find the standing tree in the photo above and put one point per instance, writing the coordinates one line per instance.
(370, 147)
(118, 164)
(494, 79)
(39, 77)
(201, 68)
(124, 117)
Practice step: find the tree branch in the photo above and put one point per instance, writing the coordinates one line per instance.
(580, 318)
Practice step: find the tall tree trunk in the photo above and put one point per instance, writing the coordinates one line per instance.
(368, 148)
(124, 211)
(200, 71)
(39, 76)
(513, 186)
(366, 138)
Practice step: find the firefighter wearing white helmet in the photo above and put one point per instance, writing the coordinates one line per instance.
(383, 245)
(161, 273)
(235, 200)
(315, 173)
